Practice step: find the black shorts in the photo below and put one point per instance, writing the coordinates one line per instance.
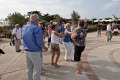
(78, 52)
(49, 39)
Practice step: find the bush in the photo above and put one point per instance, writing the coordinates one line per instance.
(104, 27)
(91, 28)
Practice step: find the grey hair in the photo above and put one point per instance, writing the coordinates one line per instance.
(34, 17)
(17, 25)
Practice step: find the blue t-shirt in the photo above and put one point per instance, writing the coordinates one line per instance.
(67, 37)
(62, 29)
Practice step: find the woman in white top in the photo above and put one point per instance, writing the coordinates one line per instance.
(55, 49)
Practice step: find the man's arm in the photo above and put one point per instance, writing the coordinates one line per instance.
(39, 37)
(14, 34)
(45, 48)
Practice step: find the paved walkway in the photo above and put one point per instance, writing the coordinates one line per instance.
(101, 61)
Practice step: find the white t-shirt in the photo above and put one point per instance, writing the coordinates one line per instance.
(54, 38)
(65, 32)
(109, 27)
(17, 32)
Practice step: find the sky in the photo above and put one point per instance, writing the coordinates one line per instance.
(86, 8)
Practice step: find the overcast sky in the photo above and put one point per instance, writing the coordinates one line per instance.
(86, 8)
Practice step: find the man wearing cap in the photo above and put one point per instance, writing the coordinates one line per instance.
(33, 44)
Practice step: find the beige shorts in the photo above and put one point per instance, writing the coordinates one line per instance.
(55, 47)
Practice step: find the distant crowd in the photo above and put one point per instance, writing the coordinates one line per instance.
(111, 29)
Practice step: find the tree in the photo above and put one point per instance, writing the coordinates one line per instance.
(47, 17)
(57, 18)
(54, 17)
(34, 12)
(16, 18)
(75, 16)
(1, 29)
(93, 19)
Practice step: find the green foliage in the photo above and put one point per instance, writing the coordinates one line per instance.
(91, 28)
(47, 17)
(107, 18)
(1, 30)
(6, 31)
(104, 27)
(75, 16)
(56, 17)
(94, 19)
(16, 18)
(35, 12)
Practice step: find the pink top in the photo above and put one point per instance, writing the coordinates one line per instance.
(49, 30)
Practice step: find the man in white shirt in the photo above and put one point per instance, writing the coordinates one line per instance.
(109, 31)
(17, 36)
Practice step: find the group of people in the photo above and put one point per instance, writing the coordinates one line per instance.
(74, 42)
(111, 30)
(33, 38)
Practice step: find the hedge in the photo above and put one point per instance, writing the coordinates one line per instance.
(91, 28)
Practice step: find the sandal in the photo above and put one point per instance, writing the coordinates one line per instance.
(77, 72)
(52, 63)
(57, 66)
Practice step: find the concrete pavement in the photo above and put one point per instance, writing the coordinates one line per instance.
(105, 59)
(101, 61)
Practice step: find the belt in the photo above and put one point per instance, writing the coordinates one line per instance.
(29, 50)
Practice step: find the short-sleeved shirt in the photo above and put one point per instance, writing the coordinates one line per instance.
(80, 38)
(67, 37)
(62, 29)
(109, 27)
(17, 32)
